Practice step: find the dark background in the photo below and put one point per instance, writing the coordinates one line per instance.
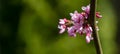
(116, 6)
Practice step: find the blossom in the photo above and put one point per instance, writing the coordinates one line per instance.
(76, 16)
(62, 25)
(72, 31)
(86, 9)
(80, 30)
(62, 28)
(85, 15)
(78, 24)
(62, 21)
(88, 31)
(98, 15)
(89, 38)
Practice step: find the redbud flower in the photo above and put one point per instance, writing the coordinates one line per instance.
(63, 21)
(76, 16)
(72, 31)
(86, 9)
(88, 31)
(62, 25)
(78, 24)
(98, 15)
(62, 28)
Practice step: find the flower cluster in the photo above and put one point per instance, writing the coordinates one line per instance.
(78, 24)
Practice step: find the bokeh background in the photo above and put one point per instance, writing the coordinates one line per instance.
(30, 27)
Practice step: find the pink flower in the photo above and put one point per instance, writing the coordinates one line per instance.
(80, 31)
(76, 17)
(62, 28)
(62, 21)
(98, 15)
(89, 38)
(62, 25)
(88, 31)
(85, 15)
(86, 9)
(78, 24)
(72, 31)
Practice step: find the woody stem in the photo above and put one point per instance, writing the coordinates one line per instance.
(92, 20)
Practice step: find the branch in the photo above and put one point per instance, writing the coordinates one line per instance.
(92, 20)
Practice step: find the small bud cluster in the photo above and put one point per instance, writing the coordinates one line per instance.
(78, 23)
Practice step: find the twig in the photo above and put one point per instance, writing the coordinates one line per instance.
(92, 20)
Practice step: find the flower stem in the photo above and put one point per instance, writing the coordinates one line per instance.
(92, 20)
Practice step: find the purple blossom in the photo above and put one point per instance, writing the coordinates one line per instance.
(62, 21)
(78, 24)
(88, 31)
(86, 9)
(85, 15)
(81, 30)
(62, 25)
(62, 28)
(89, 38)
(98, 15)
(72, 31)
(76, 17)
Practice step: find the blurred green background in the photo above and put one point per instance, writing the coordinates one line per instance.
(30, 27)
